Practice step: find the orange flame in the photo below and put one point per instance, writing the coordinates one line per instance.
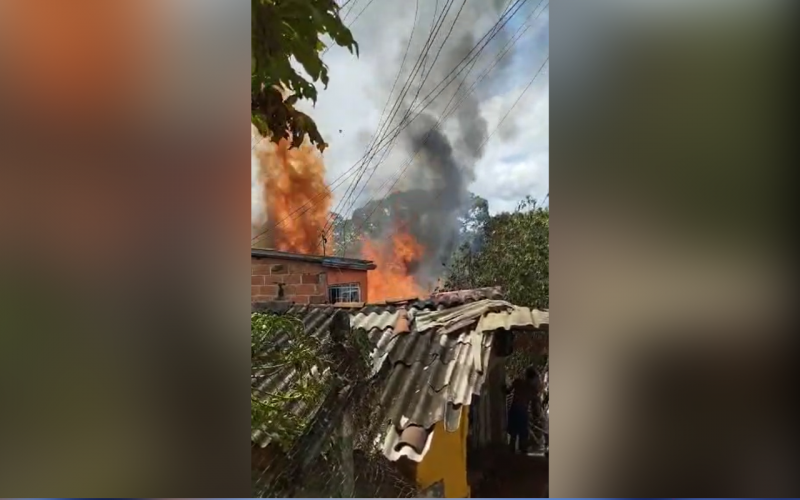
(297, 205)
(297, 199)
(392, 279)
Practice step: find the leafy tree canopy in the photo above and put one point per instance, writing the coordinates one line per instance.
(514, 253)
(270, 413)
(473, 223)
(282, 31)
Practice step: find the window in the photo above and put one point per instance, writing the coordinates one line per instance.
(350, 292)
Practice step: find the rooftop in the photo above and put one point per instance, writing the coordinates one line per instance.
(325, 261)
(428, 356)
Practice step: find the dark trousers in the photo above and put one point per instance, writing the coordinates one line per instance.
(518, 428)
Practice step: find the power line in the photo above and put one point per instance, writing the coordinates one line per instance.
(396, 107)
(471, 64)
(504, 51)
(520, 31)
(436, 58)
(480, 45)
(491, 33)
(397, 179)
(373, 141)
(361, 12)
(497, 127)
(345, 4)
(371, 147)
(428, 100)
(382, 142)
(344, 18)
(530, 83)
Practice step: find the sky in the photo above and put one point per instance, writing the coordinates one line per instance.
(515, 161)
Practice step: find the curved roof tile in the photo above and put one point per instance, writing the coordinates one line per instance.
(429, 355)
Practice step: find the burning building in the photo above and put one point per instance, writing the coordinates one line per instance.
(307, 279)
(293, 242)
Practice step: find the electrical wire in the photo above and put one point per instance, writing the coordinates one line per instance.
(527, 87)
(480, 45)
(438, 53)
(370, 152)
(342, 7)
(373, 140)
(344, 18)
(405, 117)
(361, 12)
(520, 31)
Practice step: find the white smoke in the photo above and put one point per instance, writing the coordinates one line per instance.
(258, 195)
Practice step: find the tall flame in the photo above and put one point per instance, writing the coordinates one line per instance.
(291, 207)
(296, 200)
(393, 257)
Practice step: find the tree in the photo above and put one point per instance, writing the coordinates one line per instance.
(374, 218)
(515, 255)
(293, 369)
(473, 223)
(283, 30)
(346, 236)
(268, 361)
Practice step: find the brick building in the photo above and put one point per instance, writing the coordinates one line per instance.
(307, 279)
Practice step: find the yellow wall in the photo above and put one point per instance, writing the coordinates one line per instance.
(447, 460)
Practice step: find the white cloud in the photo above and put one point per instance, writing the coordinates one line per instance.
(514, 168)
(258, 212)
(513, 165)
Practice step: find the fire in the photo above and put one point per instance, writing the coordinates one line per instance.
(392, 279)
(291, 207)
(294, 196)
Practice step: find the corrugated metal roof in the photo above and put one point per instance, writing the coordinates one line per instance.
(429, 356)
(442, 300)
(437, 353)
(317, 321)
(488, 412)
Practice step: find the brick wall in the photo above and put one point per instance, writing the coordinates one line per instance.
(346, 276)
(301, 282)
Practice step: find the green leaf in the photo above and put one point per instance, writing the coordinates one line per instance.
(282, 30)
(523, 273)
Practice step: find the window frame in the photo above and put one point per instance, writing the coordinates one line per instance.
(344, 290)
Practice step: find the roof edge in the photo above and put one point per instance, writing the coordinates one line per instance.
(334, 262)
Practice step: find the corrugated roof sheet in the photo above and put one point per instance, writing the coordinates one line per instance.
(442, 300)
(338, 262)
(317, 321)
(437, 353)
(430, 355)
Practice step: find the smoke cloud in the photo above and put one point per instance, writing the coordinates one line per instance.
(433, 193)
(258, 204)
(444, 139)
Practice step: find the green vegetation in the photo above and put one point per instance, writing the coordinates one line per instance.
(286, 31)
(282, 350)
(511, 250)
(268, 411)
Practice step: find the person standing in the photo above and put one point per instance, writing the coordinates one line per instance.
(524, 392)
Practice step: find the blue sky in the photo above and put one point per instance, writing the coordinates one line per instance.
(515, 162)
